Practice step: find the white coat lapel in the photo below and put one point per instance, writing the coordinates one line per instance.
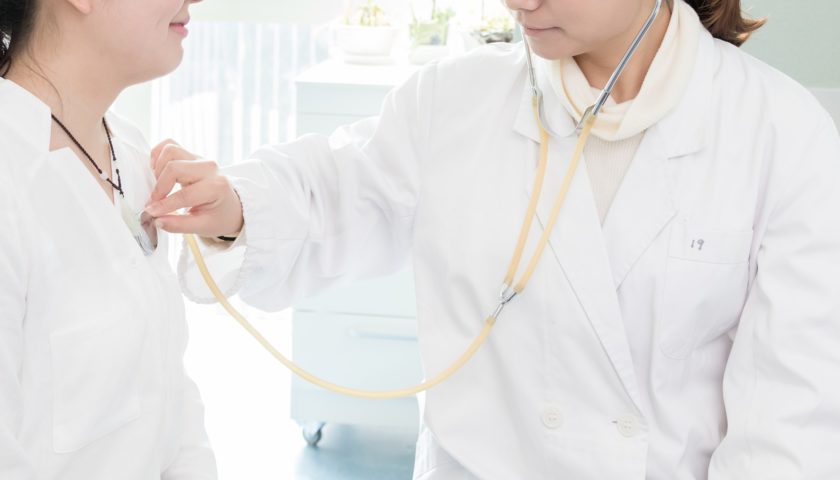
(642, 209)
(645, 203)
(577, 241)
(596, 260)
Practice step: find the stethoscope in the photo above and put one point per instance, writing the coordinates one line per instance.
(510, 288)
(595, 109)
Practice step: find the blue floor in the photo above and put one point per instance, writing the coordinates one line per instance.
(247, 412)
(351, 453)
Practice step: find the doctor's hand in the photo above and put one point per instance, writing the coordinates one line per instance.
(212, 206)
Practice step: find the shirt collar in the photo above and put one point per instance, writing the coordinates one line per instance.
(25, 115)
(30, 120)
(685, 128)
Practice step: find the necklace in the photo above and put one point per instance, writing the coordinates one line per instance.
(142, 227)
(117, 186)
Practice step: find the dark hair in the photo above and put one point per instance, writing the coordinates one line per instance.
(17, 18)
(725, 20)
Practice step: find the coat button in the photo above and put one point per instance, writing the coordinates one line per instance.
(629, 425)
(552, 417)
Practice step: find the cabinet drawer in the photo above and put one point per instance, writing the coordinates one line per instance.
(391, 296)
(360, 351)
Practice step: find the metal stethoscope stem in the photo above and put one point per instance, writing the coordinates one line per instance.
(595, 109)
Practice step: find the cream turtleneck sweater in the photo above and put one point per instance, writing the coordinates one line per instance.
(621, 127)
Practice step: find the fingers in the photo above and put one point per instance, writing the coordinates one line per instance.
(213, 207)
(192, 196)
(218, 215)
(170, 153)
(159, 148)
(197, 224)
(181, 172)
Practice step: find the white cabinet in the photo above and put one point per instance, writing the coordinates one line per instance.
(333, 93)
(363, 335)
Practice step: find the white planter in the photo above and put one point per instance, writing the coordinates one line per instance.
(376, 42)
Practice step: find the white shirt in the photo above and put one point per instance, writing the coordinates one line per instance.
(92, 332)
(607, 163)
(696, 335)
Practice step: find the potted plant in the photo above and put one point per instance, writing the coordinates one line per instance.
(429, 36)
(496, 29)
(366, 34)
(494, 25)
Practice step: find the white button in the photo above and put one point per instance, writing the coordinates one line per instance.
(629, 425)
(552, 417)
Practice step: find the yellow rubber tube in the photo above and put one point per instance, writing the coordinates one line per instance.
(488, 324)
(297, 370)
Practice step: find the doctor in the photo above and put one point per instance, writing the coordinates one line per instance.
(684, 322)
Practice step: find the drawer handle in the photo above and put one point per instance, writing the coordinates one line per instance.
(381, 334)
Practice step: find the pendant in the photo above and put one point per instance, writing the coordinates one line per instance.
(142, 227)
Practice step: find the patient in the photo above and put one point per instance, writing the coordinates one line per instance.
(92, 330)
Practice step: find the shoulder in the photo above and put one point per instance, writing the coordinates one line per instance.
(751, 85)
(16, 152)
(484, 78)
(496, 60)
(10, 208)
(24, 131)
(485, 67)
(494, 67)
(17, 238)
(9, 194)
(777, 118)
(20, 163)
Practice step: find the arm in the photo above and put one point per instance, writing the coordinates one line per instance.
(324, 210)
(14, 464)
(782, 383)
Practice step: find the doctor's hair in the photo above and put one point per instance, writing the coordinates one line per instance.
(725, 20)
(17, 20)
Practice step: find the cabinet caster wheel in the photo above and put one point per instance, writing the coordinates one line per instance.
(313, 433)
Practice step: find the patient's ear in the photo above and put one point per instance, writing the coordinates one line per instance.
(83, 6)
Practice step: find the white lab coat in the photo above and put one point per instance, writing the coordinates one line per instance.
(92, 332)
(695, 335)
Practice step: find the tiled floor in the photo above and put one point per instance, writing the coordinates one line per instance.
(247, 411)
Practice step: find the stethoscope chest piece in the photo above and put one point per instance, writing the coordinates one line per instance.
(142, 228)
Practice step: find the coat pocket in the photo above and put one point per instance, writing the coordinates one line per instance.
(96, 384)
(705, 287)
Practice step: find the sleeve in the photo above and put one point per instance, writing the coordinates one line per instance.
(195, 460)
(14, 464)
(781, 387)
(323, 210)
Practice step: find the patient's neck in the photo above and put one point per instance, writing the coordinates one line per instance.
(77, 90)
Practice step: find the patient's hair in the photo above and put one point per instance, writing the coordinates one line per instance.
(725, 20)
(17, 20)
